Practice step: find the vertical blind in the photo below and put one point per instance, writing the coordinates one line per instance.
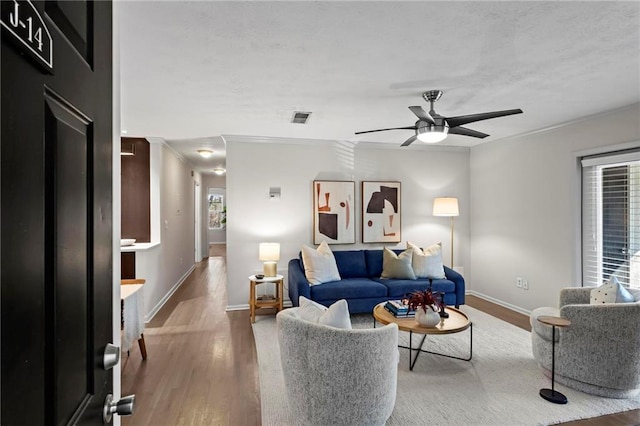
(611, 219)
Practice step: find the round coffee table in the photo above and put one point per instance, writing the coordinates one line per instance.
(457, 322)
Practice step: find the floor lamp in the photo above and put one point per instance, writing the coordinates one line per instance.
(447, 206)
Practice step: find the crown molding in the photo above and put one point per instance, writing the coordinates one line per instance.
(325, 142)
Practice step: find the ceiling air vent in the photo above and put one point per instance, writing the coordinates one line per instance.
(300, 117)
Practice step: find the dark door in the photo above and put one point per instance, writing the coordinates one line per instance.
(56, 210)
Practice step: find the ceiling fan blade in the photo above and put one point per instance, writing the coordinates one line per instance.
(409, 141)
(391, 128)
(467, 132)
(422, 114)
(465, 119)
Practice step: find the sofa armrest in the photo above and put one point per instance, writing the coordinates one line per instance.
(458, 280)
(298, 283)
(575, 295)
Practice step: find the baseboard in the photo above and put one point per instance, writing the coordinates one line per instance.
(166, 297)
(243, 307)
(499, 302)
(217, 242)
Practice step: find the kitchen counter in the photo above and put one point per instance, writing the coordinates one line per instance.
(138, 247)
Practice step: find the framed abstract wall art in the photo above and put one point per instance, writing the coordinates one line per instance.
(381, 212)
(333, 212)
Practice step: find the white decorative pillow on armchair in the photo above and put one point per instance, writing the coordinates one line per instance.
(611, 292)
(336, 315)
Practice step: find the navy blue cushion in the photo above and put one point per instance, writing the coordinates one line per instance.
(351, 263)
(348, 288)
(398, 288)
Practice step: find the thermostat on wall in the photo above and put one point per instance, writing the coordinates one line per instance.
(274, 193)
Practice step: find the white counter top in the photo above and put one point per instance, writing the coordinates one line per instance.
(138, 247)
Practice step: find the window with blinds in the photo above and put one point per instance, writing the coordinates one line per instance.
(611, 219)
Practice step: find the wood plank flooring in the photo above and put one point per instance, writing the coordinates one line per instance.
(202, 366)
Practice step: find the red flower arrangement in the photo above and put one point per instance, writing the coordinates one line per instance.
(423, 299)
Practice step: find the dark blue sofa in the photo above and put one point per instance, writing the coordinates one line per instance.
(362, 286)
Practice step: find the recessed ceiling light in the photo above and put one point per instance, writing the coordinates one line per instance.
(205, 153)
(219, 171)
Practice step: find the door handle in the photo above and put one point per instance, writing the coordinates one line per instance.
(124, 407)
(111, 356)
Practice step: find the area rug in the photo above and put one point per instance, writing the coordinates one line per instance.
(499, 386)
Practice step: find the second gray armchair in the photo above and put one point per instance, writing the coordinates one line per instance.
(599, 353)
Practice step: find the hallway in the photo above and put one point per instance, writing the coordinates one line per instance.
(201, 367)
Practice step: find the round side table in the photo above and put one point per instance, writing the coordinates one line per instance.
(553, 395)
(255, 304)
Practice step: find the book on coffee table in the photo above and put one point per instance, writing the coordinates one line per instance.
(399, 309)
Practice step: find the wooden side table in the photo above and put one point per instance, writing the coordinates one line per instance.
(254, 303)
(553, 395)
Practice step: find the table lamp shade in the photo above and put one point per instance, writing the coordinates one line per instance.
(269, 253)
(446, 206)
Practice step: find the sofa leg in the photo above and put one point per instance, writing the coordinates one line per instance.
(457, 306)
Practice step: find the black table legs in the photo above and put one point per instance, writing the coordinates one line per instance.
(553, 395)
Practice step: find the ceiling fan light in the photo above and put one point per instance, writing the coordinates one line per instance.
(205, 153)
(432, 133)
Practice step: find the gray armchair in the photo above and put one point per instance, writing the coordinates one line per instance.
(599, 353)
(335, 376)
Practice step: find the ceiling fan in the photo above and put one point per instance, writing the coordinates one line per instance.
(432, 127)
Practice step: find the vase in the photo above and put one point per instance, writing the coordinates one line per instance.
(430, 318)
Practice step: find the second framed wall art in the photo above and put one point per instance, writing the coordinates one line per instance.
(381, 212)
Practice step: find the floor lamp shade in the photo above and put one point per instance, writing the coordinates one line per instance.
(269, 253)
(447, 206)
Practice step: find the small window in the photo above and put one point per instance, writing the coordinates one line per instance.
(217, 211)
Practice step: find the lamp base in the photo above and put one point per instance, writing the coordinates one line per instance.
(270, 269)
(553, 396)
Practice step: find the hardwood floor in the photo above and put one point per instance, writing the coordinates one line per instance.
(202, 366)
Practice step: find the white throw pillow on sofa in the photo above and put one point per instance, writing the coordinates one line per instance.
(427, 263)
(336, 315)
(319, 265)
(611, 292)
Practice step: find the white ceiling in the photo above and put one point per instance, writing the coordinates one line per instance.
(193, 71)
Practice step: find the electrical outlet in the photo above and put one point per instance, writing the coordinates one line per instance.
(525, 285)
(518, 282)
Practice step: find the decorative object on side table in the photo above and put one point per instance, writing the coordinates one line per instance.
(425, 303)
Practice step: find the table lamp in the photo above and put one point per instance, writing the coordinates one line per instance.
(447, 206)
(270, 254)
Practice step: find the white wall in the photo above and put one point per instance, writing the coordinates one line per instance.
(525, 207)
(253, 167)
(165, 266)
